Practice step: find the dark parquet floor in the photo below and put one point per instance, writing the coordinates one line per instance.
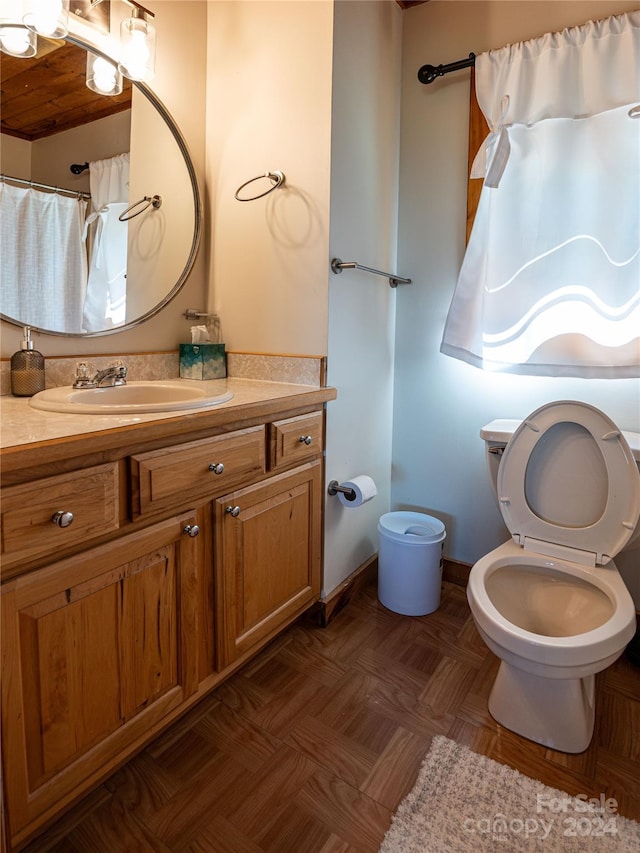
(311, 746)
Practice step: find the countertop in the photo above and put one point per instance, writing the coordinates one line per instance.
(31, 436)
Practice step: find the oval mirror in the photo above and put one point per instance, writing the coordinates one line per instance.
(73, 264)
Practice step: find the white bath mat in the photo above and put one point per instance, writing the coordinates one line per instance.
(463, 802)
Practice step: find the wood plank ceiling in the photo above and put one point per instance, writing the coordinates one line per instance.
(47, 94)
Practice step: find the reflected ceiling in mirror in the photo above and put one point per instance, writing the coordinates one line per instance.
(51, 121)
(47, 94)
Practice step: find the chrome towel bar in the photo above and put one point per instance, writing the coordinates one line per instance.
(194, 314)
(140, 206)
(337, 265)
(277, 178)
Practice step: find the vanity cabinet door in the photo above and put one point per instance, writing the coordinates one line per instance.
(267, 547)
(96, 650)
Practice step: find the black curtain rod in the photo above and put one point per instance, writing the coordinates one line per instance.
(78, 168)
(428, 73)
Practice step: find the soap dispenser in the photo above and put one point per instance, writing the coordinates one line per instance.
(27, 368)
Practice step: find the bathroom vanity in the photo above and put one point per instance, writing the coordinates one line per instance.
(144, 560)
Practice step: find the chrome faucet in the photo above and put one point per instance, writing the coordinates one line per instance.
(115, 374)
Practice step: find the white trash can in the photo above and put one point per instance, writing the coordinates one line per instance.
(410, 546)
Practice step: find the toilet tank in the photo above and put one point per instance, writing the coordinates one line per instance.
(497, 433)
(495, 436)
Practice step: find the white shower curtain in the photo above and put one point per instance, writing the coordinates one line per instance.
(106, 299)
(550, 282)
(43, 266)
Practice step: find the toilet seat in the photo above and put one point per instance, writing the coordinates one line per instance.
(543, 653)
(550, 432)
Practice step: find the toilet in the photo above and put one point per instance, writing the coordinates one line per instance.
(550, 602)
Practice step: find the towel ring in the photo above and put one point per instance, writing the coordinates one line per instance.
(276, 178)
(148, 202)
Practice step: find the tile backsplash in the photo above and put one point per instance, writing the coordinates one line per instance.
(61, 370)
(298, 369)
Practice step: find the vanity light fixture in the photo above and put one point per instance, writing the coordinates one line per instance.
(18, 41)
(137, 44)
(47, 17)
(103, 76)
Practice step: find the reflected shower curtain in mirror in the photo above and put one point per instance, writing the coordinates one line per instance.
(43, 262)
(550, 282)
(106, 299)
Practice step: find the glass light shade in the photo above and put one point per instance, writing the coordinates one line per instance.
(137, 49)
(102, 76)
(47, 17)
(18, 41)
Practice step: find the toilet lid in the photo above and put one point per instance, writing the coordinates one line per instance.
(568, 484)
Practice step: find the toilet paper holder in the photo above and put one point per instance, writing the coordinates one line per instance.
(335, 487)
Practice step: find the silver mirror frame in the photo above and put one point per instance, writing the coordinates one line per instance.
(197, 202)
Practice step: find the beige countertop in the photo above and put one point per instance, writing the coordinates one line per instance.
(50, 435)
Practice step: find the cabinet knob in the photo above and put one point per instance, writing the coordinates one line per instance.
(233, 511)
(216, 467)
(305, 439)
(191, 530)
(62, 519)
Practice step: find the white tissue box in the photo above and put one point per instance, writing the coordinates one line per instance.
(202, 361)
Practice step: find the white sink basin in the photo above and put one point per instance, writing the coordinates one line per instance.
(135, 397)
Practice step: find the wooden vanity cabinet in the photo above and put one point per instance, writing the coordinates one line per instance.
(105, 646)
(96, 650)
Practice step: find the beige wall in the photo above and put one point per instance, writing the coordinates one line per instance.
(97, 140)
(441, 403)
(268, 109)
(15, 156)
(159, 241)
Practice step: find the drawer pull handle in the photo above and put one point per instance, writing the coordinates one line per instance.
(62, 519)
(305, 439)
(191, 530)
(216, 467)
(233, 511)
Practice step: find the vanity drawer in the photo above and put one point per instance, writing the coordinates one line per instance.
(162, 479)
(295, 439)
(29, 527)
